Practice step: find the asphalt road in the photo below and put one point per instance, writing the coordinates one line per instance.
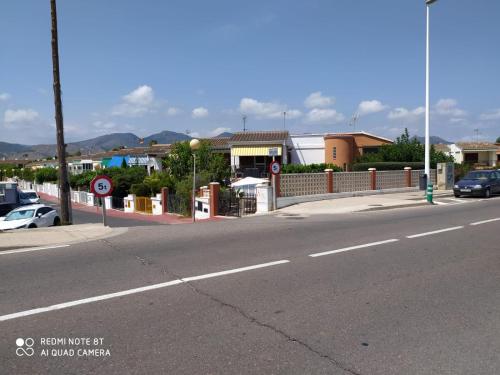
(83, 217)
(408, 291)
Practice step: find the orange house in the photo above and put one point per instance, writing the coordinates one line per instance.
(342, 149)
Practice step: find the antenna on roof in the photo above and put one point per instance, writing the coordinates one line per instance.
(284, 120)
(353, 121)
(477, 133)
(244, 123)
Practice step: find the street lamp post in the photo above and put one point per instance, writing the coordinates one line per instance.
(428, 4)
(194, 144)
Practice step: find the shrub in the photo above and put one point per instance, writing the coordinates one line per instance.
(46, 175)
(310, 168)
(140, 190)
(388, 166)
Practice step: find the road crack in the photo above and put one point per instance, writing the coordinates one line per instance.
(276, 330)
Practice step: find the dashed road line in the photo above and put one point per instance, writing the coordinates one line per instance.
(485, 221)
(29, 249)
(435, 232)
(103, 297)
(353, 248)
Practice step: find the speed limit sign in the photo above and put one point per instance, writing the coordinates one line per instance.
(275, 167)
(101, 186)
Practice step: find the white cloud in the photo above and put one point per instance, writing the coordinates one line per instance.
(136, 103)
(105, 125)
(218, 131)
(492, 115)
(267, 110)
(370, 106)
(317, 100)
(4, 96)
(449, 107)
(321, 115)
(199, 112)
(19, 116)
(406, 114)
(173, 111)
(194, 135)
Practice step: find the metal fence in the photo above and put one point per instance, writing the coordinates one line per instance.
(232, 203)
(144, 205)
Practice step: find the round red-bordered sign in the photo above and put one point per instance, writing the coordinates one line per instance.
(101, 186)
(275, 168)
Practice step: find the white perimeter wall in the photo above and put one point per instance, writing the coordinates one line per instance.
(307, 149)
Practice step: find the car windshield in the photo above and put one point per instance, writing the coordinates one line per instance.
(31, 195)
(477, 176)
(20, 215)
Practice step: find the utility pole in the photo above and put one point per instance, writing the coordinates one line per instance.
(284, 120)
(64, 189)
(244, 123)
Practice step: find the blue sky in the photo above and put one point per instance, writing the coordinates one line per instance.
(150, 65)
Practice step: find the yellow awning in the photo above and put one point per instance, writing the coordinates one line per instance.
(254, 150)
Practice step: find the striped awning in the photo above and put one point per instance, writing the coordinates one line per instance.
(254, 150)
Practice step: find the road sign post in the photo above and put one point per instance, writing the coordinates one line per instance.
(102, 186)
(275, 169)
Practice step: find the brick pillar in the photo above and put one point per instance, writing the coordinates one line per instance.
(164, 199)
(277, 181)
(329, 180)
(373, 178)
(214, 188)
(408, 176)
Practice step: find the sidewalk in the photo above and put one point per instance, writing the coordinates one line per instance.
(56, 235)
(361, 203)
(165, 218)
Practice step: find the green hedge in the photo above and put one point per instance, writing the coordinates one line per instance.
(388, 166)
(311, 168)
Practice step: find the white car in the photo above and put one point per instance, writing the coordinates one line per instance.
(32, 216)
(28, 197)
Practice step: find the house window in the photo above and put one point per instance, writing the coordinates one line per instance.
(335, 153)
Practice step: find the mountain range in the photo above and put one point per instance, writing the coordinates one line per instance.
(109, 141)
(99, 144)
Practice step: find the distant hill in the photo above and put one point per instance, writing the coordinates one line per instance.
(102, 143)
(224, 135)
(166, 137)
(434, 140)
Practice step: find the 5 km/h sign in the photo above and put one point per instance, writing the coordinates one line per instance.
(101, 186)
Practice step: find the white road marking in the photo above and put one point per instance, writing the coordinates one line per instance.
(134, 291)
(434, 232)
(441, 203)
(28, 249)
(458, 200)
(352, 248)
(222, 273)
(485, 221)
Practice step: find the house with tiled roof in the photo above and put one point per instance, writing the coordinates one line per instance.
(477, 153)
(253, 151)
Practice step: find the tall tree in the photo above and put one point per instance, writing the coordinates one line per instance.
(64, 188)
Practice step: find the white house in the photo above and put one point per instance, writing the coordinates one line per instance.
(307, 148)
(480, 153)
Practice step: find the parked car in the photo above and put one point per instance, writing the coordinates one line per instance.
(32, 216)
(478, 183)
(28, 197)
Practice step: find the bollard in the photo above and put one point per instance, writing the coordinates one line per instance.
(429, 193)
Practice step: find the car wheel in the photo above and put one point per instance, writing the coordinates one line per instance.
(487, 193)
(32, 226)
(57, 221)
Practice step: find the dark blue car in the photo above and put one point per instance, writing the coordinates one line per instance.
(478, 184)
